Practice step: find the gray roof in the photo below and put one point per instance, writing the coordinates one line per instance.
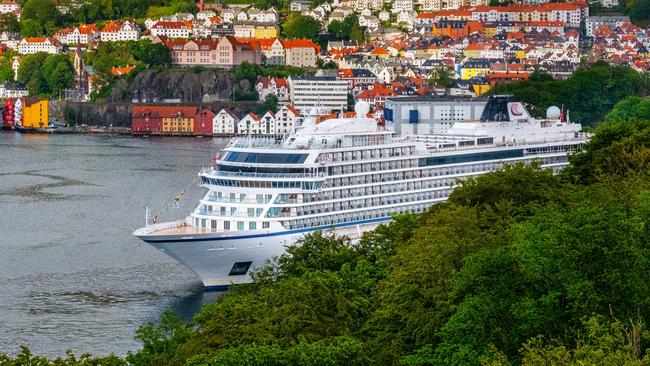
(436, 98)
(608, 18)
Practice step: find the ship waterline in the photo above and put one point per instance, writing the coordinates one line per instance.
(219, 259)
(344, 175)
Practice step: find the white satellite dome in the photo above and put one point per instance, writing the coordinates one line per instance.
(553, 112)
(362, 108)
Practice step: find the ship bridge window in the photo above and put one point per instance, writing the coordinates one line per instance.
(255, 169)
(265, 158)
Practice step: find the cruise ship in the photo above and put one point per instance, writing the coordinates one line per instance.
(343, 174)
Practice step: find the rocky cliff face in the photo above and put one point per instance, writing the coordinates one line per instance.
(207, 89)
(175, 85)
(119, 114)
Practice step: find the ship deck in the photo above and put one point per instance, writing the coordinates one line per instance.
(174, 228)
(185, 229)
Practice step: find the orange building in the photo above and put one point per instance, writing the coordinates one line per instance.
(456, 29)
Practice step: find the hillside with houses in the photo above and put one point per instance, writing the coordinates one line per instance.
(343, 51)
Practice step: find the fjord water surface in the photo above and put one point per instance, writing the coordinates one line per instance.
(71, 274)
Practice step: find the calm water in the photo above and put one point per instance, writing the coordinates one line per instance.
(71, 274)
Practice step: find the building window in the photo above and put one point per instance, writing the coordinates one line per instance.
(226, 225)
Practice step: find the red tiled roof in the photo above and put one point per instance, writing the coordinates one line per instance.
(35, 39)
(87, 28)
(380, 51)
(254, 116)
(300, 43)
(281, 82)
(119, 71)
(292, 109)
(114, 26)
(163, 111)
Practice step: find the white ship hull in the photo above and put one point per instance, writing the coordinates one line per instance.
(213, 256)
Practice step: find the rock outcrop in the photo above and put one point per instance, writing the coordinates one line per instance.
(175, 85)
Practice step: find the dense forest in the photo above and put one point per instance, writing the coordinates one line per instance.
(519, 266)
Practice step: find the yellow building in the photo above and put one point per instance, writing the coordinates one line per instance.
(266, 32)
(35, 113)
(480, 86)
(178, 125)
(178, 119)
(473, 68)
(490, 30)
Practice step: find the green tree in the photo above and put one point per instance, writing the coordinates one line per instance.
(42, 11)
(270, 103)
(357, 34)
(31, 28)
(160, 343)
(588, 94)
(441, 76)
(617, 151)
(540, 76)
(6, 69)
(343, 29)
(151, 54)
(248, 71)
(46, 75)
(301, 26)
(26, 358)
(603, 342)
(639, 10)
(62, 77)
(631, 108)
(9, 23)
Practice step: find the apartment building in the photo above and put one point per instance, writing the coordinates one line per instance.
(300, 52)
(83, 34)
(610, 21)
(29, 45)
(171, 29)
(9, 7)
(120, 31)
(225, 52)
(322, 92)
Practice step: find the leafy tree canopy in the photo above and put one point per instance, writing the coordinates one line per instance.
(9, 23)
(588, 94)
(46, 75)
(301, 26)
(270, 103)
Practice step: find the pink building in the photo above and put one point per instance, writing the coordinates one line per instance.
(232, 52)
(226, 52)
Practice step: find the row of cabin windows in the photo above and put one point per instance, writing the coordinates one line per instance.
(213, 224)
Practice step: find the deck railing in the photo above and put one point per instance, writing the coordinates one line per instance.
(152, 228)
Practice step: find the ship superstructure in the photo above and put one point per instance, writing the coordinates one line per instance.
(346, 175)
